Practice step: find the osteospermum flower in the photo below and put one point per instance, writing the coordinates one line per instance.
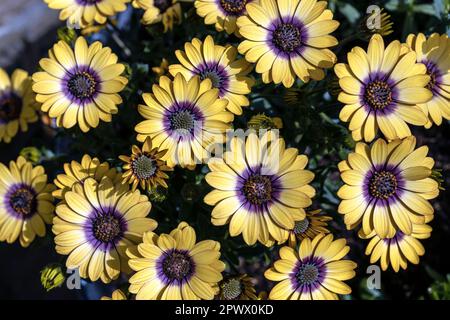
(145, 167)
(80, 86)
(387, 187)
(221, 66)
(288, 39)
(166, 11)
(238, 287)
(175, 267)
(26, 203)
(116, 295)
(313, 224)
(261, 189)
(18, 107)
(83, 13)
(185, 117)
(96, 223)
(222, 13)
(315, 271)
(434, 53)
(75, 172)
(398, 250)
(382, 89)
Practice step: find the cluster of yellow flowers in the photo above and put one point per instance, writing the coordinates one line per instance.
(260, 187)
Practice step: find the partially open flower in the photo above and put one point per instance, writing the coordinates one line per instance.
(238, 287)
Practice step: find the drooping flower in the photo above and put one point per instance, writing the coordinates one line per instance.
(96, 223)
(261, 188)
(262, 122)
(222, 13)
(83, 13)
(220, 65)
(26, 203)
(315, 271)
(162, 69)
(238, 287)
(398, 250)
(185, 117)
(381, 89)
(116, 295)
(288, 39)
(81, 85)
(75, 172)
(175, 266)
(379, 22)
(166, 11)
(434, 53)
(145, 167)
(52, 276)
(18, 107)
(313, 224)
(387, 187)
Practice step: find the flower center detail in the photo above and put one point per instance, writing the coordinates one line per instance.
(233, 7)
(258, 189)
(107, 228)
(23, 201)
(301, 226)
(82, 85)
(177, 265)
(434, 73)
(182, 120)
(143, 167)
(10, 106)
(213, 75)
(307, 274)
(232, 289)
(162, 5)
(382, 184)
(287, 37)
(378, 95)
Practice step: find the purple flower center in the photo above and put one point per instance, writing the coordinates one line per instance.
(23, 200)
(106, 228)
(233, 7)
(177, 265)
(257, 189)
(162, 5)
(378, 94)
(218, 77)
(10, 106)
(307, 274)
(287, 37)
(182, 120)
(434, 73)
(82, 85)
(383, 184)
(88, 2)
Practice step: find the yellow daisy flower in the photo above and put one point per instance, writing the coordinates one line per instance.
(185, 117)
(26, 202)
(81, 85)
(96, 223)
(18, 107)
(313, 224)
(288, 39)
(145, 167)
(399, 250)
(166, 11)
(222, 13)
(315, 271)
(381, 89)
(76, 172)
(221, 66)
(261, 189)
(175, 267)
(434, 53)
(83, 13)
(387, 187)
(116, 295)
(238, 287)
